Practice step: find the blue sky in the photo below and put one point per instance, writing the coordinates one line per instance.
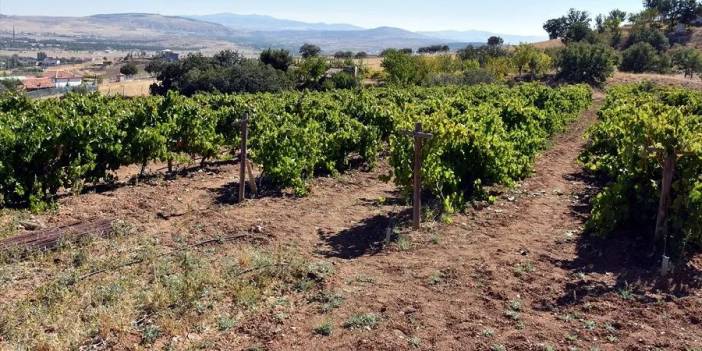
(503, 16)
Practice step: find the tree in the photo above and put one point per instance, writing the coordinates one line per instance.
(310, 73)
(556, 28)
(640, 57)
(343, 54)
(674, 11)
(226, 72)
(527, 56)
(129, 69)
(611, 25)
(586, 63)
(10, 84)
(522, 56)
(495, 41)
(361, 55)
(403, 69)
(433, 49)
(688, 60)
(278, 59)
(575, 26)
(579, 31)
(650, 35)
(41, 56)
(344, 80)
(310, 50)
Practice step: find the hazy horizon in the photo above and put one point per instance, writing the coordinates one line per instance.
(500, 16)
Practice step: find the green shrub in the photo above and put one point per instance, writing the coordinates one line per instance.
(642, 57)
(586, 63)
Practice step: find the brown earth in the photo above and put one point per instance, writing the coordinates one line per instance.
(678, 80)
(517, 275)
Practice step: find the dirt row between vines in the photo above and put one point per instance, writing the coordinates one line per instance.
(516, 275)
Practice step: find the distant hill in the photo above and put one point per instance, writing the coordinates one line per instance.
(127, 25)
(482, 36)
(368, 40)
(134, 30)
(246, 33)
(255, 23)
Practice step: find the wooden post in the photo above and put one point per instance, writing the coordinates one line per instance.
(417, 203)
(662, 220)
(242, 158)
(418, 135)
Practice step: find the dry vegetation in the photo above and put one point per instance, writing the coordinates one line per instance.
(130, 88)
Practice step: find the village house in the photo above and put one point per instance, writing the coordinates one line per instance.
(32, 84)
(64, 79)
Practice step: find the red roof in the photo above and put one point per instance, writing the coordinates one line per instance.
(37, 83)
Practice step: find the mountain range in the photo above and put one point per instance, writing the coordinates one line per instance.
(242, 32)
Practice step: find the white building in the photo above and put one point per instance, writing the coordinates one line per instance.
(64, 79)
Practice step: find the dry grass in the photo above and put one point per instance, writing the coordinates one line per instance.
(173, 296)
(131, 88)
(548, 44)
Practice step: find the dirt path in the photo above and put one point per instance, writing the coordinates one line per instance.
(507, 276)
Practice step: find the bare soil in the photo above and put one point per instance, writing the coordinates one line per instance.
(515, 275)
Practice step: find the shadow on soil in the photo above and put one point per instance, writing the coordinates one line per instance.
(625, 256)
(151, 178)
(368, 237)
(229, 193)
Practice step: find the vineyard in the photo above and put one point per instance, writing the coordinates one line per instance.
(642, 125)
(485, 135)
(324, 258)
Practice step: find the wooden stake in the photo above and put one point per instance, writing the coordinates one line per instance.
(662, 220)
(418, 135)
(242, 158)
(417, 210)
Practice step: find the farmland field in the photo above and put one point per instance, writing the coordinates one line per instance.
(187, 267)
(129, 88)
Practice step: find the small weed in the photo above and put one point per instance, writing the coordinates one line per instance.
(571, 338)
(612, 338)
(522, 269)
(319, 271)
(225, 323)
(150, 334)
(368, 321)
(403, 242)
(436, 278)
(324, 329)
(547, 347)
(626, 292)
(415, 342)
(488, 333)
(513, 315)
(304, 284)
(498, 347)
(590, 325)
(515, 305)
(328, 300)
(446, 219)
